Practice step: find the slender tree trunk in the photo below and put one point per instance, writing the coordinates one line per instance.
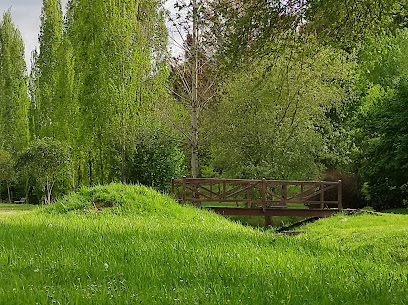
(73, 175)
(101, 161)
(194, 98)
(123, 156)
(27, 188)
(9, 193)
(79, 173)
(90, 167)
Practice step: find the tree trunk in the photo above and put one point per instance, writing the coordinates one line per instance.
(122, 166)
(90, 167)
(79, 174)
(9, 193)
(101, 161)
(194, 98)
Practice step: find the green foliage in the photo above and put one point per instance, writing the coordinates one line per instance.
(179, 254)
(386, 164)
(115, 74)
(379, 121)
(14, 133)
(7, 173)
(273, 110)
(47, 97)
(47, 161)
(348, 24)
(155, 161)
(6, 166)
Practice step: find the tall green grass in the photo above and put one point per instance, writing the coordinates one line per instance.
(144, 248)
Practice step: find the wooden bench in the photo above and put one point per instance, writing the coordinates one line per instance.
(21, 201)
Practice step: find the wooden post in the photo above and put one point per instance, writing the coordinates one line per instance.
(340, 195)
(321, 196)
(268, 219)
(172, 187)
(183, 197)
(263, 195)
(224, 190)
(249, 197)
(285, 193)
(211, 190)
(197, 202)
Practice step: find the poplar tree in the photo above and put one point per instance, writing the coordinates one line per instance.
(114, 45)
(14, 101)
(48, 100)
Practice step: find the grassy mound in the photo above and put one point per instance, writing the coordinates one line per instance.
(119, 198)
(146, 249)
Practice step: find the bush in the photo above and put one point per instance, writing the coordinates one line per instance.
(155, 161)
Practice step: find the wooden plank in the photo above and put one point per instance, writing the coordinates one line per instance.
(239, 189)
(232, 200)
(272, 212)
(274, 195)
(241, 181)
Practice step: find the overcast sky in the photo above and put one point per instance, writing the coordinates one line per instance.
(26, 17)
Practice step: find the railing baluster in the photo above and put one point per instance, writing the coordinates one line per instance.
(340, 195)
(321, 196)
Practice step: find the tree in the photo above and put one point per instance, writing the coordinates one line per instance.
(348, 23)
(48, 161)
(115, 73)
(194, 79)
(47, 96)
(14, 134)
(6, 170)
(241, 29)
(379, 120)
(272, 111)
(385, 165)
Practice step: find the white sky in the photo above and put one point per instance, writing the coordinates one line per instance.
(26, 17)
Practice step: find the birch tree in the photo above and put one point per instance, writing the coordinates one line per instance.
(194, 79)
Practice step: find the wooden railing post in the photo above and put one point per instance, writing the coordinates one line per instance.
(285, 194)
(321, 195)
(249, 196)
(264, 195)
(172, 187)
(184, 185)
(340, 195)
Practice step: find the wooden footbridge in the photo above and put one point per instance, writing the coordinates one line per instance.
(261, 197)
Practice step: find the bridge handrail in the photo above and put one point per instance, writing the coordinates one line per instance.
(202, 190)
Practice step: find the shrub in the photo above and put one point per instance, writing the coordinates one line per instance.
(47, 161)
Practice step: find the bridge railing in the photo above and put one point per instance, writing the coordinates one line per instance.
(265, 194)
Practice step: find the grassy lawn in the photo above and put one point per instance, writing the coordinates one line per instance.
(10, 208)
(397, 211)
(130, 245)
